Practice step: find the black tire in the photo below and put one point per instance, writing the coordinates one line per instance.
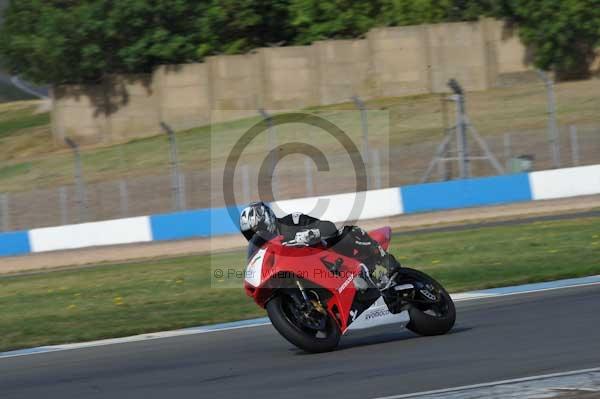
(421, 322)
(302, 338)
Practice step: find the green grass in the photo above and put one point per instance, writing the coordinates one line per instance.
(12, 121)
(26, 137)
(117, 300)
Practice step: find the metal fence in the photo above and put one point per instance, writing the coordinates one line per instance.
(387, 167)
(185, 182)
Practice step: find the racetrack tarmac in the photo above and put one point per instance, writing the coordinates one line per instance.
(494, 339)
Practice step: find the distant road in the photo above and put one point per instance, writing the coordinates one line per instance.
(40, 92)
(494, 339)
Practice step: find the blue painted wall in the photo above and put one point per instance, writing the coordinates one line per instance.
(466, 193)
(14, 243)
(197, 223)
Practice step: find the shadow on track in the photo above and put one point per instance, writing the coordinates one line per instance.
(376, 337)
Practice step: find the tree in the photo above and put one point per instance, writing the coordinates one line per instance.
(71, 41)
(77, 41)
(562, 34)
(237, 26)
(332, 19)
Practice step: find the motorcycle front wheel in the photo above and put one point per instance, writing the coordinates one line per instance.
(431, 309)
(305, 331)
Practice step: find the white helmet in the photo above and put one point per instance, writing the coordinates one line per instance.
(255, 218)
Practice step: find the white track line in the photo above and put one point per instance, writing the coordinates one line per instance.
(460, 297)
(490, 384)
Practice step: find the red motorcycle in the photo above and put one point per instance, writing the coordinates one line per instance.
(313, 295)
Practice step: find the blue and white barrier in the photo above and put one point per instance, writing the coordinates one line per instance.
(558, 183)
(109, 232)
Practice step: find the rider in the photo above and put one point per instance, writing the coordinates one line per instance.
(259, 224)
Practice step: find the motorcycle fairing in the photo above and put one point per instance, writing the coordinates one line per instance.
(275, 262)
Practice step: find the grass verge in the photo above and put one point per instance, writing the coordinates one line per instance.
(125, 299)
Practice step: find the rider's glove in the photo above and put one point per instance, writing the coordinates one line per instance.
(308, 237)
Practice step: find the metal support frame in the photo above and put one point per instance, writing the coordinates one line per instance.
(81, 206)
(459, 133)
(177, 179)
(462, 146)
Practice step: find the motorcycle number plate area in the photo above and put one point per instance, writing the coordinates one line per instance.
(253, 274)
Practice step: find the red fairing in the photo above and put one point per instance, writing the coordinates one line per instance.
(382, 236)
(274, 262)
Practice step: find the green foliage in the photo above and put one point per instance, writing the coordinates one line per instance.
(72, 41)
(333, 19)
(327, 19)
(13, 121)
(412, 12)
(236, 26)
(563, 34)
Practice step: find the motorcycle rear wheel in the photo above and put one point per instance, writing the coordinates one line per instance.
(281, 314)
(428, 318)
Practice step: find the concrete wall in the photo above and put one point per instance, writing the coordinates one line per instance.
(344, 70)
(235, 85)
(183, 92)
(290, 77)
(388, 62)
(400, 60)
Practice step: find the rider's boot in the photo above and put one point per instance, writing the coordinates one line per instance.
(388, 262)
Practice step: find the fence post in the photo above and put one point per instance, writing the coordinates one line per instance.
(124, 197)
(552, 126)
(272, 143)
(308, 171)
(376, 167)
(78, 179)
(182, 191)
(507, 151)
(574, 145)
(360, 104)
(62, 203)
(176, 180)
(246, 183)
(4, 215)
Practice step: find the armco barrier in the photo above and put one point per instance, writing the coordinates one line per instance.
(558, 183)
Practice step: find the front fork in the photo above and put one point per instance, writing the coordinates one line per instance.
(309, 304)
